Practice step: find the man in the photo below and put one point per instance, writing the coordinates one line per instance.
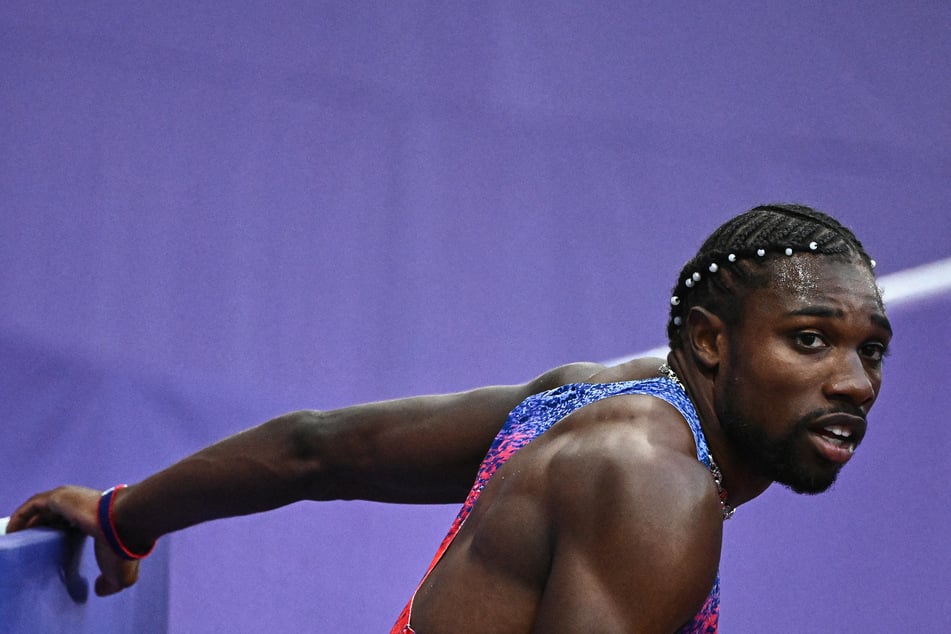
(600, 502)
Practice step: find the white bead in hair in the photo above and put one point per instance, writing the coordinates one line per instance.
(678, 321)
(873, 263)
(761, 252)
(731, 257)
(696, 277)
(675, 301)
(713, 267)
(813, 246)
(788, 251)
(688, 282)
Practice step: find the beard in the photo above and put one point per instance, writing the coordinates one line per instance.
(785, 459)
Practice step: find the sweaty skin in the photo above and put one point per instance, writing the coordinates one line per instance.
(784, 393)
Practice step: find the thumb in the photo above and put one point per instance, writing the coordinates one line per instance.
(116, 573)
(105, 586)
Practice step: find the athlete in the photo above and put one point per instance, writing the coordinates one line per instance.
(593, 497)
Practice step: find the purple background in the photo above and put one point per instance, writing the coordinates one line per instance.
(211, 213)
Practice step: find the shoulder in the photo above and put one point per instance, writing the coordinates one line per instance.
(635, 519)
(636, 450)
(584, 372)
(579, 372)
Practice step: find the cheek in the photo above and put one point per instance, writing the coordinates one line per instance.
(765, 389)
(742, 401)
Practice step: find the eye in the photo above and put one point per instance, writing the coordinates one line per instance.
(809, 340)
(874, 351)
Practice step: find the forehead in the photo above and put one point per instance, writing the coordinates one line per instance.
(804, 280)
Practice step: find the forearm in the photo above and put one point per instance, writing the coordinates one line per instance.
(249, 472)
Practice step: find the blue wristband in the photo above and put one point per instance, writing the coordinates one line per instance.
(108, 526)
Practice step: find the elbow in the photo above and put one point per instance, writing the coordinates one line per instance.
(323, 460)
(302, 442)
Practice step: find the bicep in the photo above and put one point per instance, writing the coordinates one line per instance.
(423, 449)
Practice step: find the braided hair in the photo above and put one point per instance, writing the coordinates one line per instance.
(734, 259)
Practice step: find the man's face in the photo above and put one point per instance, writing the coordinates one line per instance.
(803, 367)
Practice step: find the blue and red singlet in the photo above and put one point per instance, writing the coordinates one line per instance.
(533, 417)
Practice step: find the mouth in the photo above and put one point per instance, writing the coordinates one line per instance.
(836, 436)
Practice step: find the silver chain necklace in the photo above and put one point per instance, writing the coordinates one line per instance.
(726, 510)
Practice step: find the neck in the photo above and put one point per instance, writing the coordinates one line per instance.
(739, 481)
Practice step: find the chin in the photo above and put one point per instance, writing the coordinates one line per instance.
(808, 483)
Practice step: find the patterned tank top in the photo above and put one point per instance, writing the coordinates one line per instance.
(533, 417)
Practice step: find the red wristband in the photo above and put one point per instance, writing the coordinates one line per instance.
(107, 524)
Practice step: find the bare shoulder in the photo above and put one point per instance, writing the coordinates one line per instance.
(636, 449)
(633, 369)
(635, 520)
(580, 372)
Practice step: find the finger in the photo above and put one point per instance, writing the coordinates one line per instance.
(104, 587)
(44, 509)
(26, 515)
(116, 573)
(36, 519)
(112, 581)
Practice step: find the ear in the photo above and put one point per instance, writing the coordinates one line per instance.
(705, 337)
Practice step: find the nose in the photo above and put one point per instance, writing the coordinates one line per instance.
(852, 382)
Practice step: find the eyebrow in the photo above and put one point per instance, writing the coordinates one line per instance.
(835, 313)
(882, 322)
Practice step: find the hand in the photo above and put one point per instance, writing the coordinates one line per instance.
(76, 507)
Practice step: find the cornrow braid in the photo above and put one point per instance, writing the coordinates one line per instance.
(732, 261)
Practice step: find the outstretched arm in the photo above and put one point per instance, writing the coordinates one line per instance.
(423, 449)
